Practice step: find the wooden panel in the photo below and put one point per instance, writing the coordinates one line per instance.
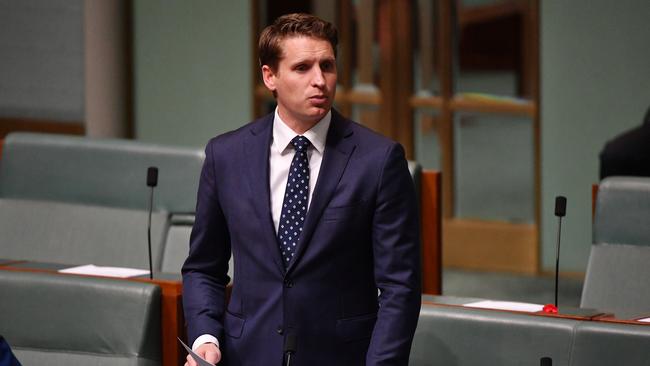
(490, 246)
(365, 40)
(8, 125)
(523, 108)
(431, 222)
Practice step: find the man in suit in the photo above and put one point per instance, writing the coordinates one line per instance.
(628, 153)
(319, 214)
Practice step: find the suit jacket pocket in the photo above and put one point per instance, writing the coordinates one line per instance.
(233, 325)
(356, 328)
(340, 213)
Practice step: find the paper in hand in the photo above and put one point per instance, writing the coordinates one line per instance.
(197, 358)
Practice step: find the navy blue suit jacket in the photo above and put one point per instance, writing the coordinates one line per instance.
(361, 234)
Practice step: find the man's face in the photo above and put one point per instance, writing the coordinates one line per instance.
(305, 80)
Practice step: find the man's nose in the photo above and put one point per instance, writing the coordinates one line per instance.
(318, 79)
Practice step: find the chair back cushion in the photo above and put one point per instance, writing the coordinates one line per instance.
(99, 172)
(79, 234)
(52, 319)
(618, 271)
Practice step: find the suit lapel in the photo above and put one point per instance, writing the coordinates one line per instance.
(256, 149)
(338, 149)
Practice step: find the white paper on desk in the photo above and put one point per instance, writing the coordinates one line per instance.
(197, 358)
(506, 305)
(645, 320)
(91, 269)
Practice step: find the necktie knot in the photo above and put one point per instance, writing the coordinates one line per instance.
(300, 143)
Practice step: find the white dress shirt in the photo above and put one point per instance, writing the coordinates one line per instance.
(280, 158)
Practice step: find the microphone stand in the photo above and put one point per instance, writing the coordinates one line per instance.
(152, 181)
(149, 232)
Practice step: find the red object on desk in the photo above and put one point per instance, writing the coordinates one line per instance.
(550, 308)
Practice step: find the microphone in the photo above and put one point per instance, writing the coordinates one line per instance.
(152, 181)
(546, 361)
(289, 347)
(560, 211)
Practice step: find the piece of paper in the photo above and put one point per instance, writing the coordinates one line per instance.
(645, 320)
(197, 358)
(91, 269)
(506, 305)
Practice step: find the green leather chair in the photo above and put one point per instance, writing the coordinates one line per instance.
(617, 278)
(460, 336)
(53, 320)
(607, 344)
(77, 200)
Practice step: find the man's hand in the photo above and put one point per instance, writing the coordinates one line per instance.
(208, 351)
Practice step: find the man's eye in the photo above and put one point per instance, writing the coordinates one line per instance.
(327, 66)
(301, 68)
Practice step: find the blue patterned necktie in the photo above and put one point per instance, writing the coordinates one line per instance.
(294, 207)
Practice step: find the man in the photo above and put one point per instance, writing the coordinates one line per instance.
(318, 212)
(628, 153)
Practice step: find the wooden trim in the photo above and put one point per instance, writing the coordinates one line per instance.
(255, 67)
(538, 313)
(523, 108)
(594, 197)
(402, 126)
(431, 228)
(8, 125)
(365, 40)
(490, 246)
(345, 52)
(532, 75)
(612, 319)
(468, 15)
(359, 97)
(426, 102)
(445, 126)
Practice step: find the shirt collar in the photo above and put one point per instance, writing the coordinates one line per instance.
(317, 135)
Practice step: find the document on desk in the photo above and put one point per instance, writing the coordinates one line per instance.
(506, 305)
(644, 320)
(93, 270)
(197, 358)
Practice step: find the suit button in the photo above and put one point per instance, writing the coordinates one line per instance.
(280, 330)
(288, 283)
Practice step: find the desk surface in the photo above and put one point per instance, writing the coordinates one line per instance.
(568, 313)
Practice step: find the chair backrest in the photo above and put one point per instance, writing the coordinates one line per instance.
(603, 344)
(77, 200)
(78, 234)
(51, 319)
(618, 271)
(98, 172)
(454, 335)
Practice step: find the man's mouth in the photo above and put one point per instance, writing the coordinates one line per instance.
(318, 98)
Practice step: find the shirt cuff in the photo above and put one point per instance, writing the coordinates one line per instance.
(205, 338)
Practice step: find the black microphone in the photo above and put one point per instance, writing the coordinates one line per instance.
(289, 347)
(547, 361)
(152, 181)
(560, 211)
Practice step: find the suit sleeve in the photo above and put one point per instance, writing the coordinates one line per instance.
(205, 272)
(396, 249)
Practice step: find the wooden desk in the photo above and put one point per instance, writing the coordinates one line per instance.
(586, 316)
(171, 308)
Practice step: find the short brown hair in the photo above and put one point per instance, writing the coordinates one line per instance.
(293, 25)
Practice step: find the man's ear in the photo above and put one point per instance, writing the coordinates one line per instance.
(269, 77)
